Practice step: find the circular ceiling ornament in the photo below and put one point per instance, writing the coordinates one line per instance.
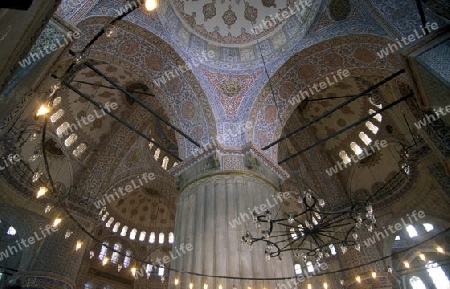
(230, 88)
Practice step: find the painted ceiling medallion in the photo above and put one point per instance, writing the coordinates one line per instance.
(230, 88)
(209, 10)
(269, 3)
(251, 13)
(229, 17)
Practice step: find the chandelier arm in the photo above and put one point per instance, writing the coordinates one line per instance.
(289, 244)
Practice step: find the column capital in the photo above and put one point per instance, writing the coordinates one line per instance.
(218, 160)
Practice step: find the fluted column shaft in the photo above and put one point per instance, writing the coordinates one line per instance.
(205, 214)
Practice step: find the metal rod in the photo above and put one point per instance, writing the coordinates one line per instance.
(140, 102)
(349, 127)
(110, 87)
(74, 89)
(422, 15)
(336, 108)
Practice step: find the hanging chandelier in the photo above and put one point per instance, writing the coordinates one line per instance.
(314, 232)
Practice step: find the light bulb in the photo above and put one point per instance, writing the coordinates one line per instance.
(105, 261)
(220, 286)
(422, 257)
(48, 208)
(374, 274)
(309, 286)
(439, 249)
(36, 177)
(79, 244)
(43, 110)
(68, 234)
(176, 281)
(151, 5)
(191, 285)
(358, 279)
(205, 286)
(133, 271)
(41, 192)
(325, 285)
(406, 263)
(56, 222)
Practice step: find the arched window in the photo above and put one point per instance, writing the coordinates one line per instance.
(127, 259)
(156, 155)
(148, 269)
(438, 276)
(310, 267)
(133, 234)
(11, 231)
(161, 270)
(298, 269)
(161, 238)
(416, 283)
(151, 238)
(116, 227)
(103, 251)
(165, 162)
(397, 238)
(70, 140)
(343, 155)
(356, 148)
(124, 231)
(373, 128)
(110, 221)
(57, 101)
(332, 249)
(142, 236)
(411, 231)
(79, 150)
(428, 227)
(115, 254)
(171, 238)
(57, 115)
(61, 130)
(293, 234)
(378, 116)
(365, 138)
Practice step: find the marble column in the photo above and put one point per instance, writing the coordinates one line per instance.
(218, 188)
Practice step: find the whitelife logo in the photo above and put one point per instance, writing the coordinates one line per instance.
(90, 118)
(109, 198)
(363, 155)
(166, 259)
(429, 118)
(279, 198)
(393, 229)
(48, 49)
(411, 38)
(27, 242)
(280, 17)
(319, 86)
(173, 73)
